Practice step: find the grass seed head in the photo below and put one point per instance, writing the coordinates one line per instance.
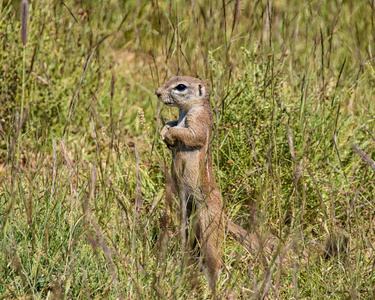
(25, 10)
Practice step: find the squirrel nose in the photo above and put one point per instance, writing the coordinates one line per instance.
(158, 92)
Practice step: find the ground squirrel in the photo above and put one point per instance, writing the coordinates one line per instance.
(192, 172)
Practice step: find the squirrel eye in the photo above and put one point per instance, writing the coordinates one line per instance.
(180, 87)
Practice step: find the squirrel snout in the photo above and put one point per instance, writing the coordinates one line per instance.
(158, 92)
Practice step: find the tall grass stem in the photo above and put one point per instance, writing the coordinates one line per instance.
(24, 15)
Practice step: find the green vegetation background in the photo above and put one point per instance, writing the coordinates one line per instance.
(83, 212)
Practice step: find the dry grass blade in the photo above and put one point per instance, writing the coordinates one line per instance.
(138, 192)
(108, 252)
(17, 134)
(163, 238)
(69, 11)
(157, 128)
(364, 156)
(290, 143)
(297, 171)
(92, 183)
(199, 39)
(368, 131)
(169, 189)
(137, 206)
(73, 102)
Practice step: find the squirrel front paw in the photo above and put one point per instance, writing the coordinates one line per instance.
(167, 136)
(164, 131)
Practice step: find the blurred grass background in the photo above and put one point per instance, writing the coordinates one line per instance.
(83, 212)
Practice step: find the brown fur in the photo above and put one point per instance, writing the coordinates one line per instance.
(192, 172)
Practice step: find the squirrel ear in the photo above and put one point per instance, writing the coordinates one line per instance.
(201, 90)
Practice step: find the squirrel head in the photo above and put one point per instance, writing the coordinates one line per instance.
(183, 92)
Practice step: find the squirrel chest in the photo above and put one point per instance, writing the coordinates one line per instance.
(187, 160)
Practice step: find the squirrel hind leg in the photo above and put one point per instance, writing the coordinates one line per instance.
(211, 236)
(207, 232)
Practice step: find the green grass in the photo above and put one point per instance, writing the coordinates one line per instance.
(83, 206)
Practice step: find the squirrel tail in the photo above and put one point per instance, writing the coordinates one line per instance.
(251, 241)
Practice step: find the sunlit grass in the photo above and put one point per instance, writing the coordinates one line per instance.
(83, 205)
